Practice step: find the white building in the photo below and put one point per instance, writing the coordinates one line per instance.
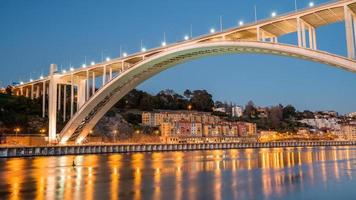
(353, 114)
(319, 123)
(236, 111)
(348, 132)
(221, 109)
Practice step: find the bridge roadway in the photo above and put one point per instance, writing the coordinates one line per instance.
(9, 152)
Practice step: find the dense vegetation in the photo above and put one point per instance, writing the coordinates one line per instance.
(20, 111)
(199, 100)
(280, 118)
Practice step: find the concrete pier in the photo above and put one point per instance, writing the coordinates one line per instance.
(8, 152)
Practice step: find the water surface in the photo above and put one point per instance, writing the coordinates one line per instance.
(276, 173)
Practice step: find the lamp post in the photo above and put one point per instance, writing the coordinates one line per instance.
(17, 130)
(115, 134)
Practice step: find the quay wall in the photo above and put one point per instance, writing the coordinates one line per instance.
(8, 152)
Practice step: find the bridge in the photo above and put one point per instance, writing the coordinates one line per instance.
(120, 75)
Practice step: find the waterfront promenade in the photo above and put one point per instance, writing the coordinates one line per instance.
(8, 152)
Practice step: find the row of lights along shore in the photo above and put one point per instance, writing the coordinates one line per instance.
(163, 44)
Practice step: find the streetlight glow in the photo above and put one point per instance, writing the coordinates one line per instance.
(143, 49)
(107, 58)
(92, 63)
(311, 4)
(41, 77)
(212, 30)
(241, 23)
(64, 71)
(163, 44)
(71, 69)
(31, 80)
(84, 65)
(186, 37)
(21, 83)
(274, 14)
(124, 54)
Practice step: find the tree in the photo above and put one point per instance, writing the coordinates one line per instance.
(201, 100)
(147, 102)
(187, 94)
(275, 116)
(289, 112)
(250, 111)
(9, 90)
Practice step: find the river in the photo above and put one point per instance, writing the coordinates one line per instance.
(275, 173)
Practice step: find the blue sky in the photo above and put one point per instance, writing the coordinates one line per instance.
(36, 33)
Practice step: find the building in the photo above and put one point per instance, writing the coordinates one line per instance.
(191, 126)
(236, 111)
(348, 132)
(322, 123)
(220, 109)
(158, 117)
(352, 114)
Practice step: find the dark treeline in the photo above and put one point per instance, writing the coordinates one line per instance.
(20, 111)
(278, 118)
(199, 100)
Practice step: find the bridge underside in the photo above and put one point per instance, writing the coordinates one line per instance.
(94, 109)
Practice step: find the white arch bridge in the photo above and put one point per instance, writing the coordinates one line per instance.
(120, 75)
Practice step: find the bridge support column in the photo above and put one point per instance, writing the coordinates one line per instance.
(258, 34)
(274, 39)
(87, 86)
(71, 95)
(52, 105)
(304, 42)
(299, 32)
(263, 36)
(37, 92)
(59, 96)
(110, 73)
(349, 33)
(27, 92)
(32, 91)
(64, 102)
(44, 99)
(93, 84)
(104, 75)
(81, 93)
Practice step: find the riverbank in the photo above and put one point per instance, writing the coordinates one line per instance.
(8, 152)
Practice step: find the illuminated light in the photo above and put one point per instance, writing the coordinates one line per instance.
(71, 69)
(107, 58)
(31, 80)
(84, 65)
(92, 63)
(186, 37)
(41, 77)
(64, 71)
(163, 44)
(124, 54)
(241, 23)
(21, 82)
(311, 4)
(274, 14)
(143, 49)
(212, 30)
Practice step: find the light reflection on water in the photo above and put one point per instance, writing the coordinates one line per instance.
(278, 173)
